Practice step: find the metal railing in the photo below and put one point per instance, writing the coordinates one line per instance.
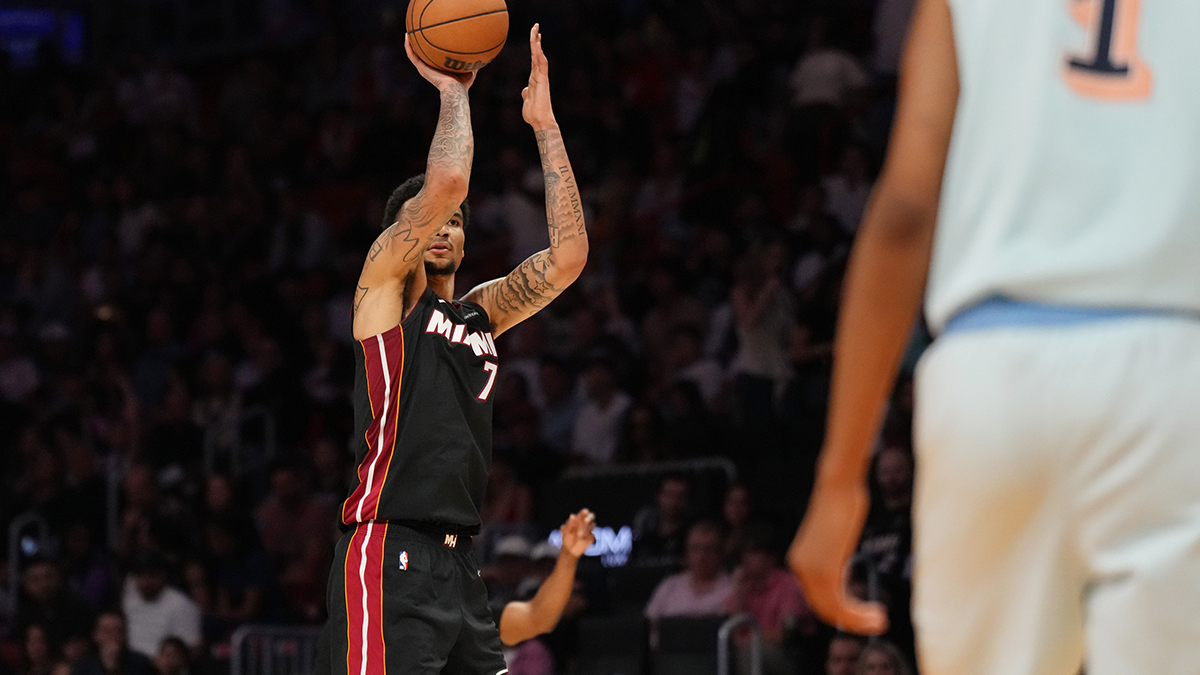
(274, 650)
(756, 643)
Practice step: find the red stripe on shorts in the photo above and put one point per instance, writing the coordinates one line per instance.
(365, 653)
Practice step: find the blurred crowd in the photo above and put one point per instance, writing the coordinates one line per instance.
(179, 243)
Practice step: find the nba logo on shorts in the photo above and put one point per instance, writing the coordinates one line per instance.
(403, 560)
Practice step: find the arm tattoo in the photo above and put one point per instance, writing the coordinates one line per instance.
(525, 290)
(359, 295)
(451, 151)
(453, 144)
(564, 208)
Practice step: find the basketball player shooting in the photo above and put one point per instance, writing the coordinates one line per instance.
(405, 597)
(1057, 510)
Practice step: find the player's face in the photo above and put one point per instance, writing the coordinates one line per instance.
(445, 253)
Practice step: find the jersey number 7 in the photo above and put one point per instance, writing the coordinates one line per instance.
(491, 369)
(1113, 71)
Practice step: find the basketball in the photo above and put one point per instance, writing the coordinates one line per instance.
(457, 35)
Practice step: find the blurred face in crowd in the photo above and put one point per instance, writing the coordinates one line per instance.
(37, 644)
(218, 493)
(171, 658)
(41, 581)
(894, 472)
(703, 554)
(878, 662)
(139, 487)
(150, 583)
(757, 565)
(555, 383)
(600, 381)
(110, 631)
(285, 484)
(843, 656)
(673, 499)
(737, 506)
(445, 253)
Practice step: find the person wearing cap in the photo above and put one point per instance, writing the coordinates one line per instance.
(522, 620)
(156, 611)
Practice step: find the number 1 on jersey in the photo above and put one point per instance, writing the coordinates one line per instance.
(1113, 71)
(491, 369)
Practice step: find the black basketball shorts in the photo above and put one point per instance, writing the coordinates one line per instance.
(403, 602)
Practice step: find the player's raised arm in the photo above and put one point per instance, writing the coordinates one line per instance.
(521, 621)
(545, 274)
(884, 283)
(397, 252)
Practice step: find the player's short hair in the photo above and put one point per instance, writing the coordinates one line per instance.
(406, 191)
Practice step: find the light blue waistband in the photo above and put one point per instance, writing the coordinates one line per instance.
(1000, 312)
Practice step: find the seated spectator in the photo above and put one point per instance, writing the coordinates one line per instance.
(111, 655)
(510, 567)
(844, 651)
(41, 653)
(887, 534)
(688, 363)
(89, 572)
(659, 529)
(294, 530)
(736, 510)
(173, 658)
(598, 426)
(881, 657)
(556, 418)
(763, 589)
(155, 610)
(44, 601)
(507, 499)
(242, 580)
(702, 588)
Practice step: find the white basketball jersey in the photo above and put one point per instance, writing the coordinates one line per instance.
(1074, 168)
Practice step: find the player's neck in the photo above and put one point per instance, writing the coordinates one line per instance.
(442, 285)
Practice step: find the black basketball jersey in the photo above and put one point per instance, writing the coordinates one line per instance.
(423, 418)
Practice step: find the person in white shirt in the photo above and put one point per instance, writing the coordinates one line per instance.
(703, 588)
(598, 426)
(156, 611)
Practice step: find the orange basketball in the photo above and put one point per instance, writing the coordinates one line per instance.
(457, 35)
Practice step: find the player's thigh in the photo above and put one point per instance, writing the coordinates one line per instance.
(478, 649)
(396, 620)
(1139, 509)
(996, 587)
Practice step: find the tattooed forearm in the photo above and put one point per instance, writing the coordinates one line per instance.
(564, 208)
(525, 290)
(453, 145)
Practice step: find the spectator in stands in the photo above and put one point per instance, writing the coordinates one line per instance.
(155, 610)
(887, 534)
(46, 602)
(173, 657)
(702, 588)
(243, 584)
(41, 652)
(111, 655)
(762, 588)
(659, 529)
(507, 500)
(151, 520)
(222, 502)
(843, 655)
(294, 530)
(764, 314)
(687, 363)
(673, 310)
(89, 570)
(598, 425)
(557, 416)
(511, 565)
(847, 190)
(881, 657)
(736, 510)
